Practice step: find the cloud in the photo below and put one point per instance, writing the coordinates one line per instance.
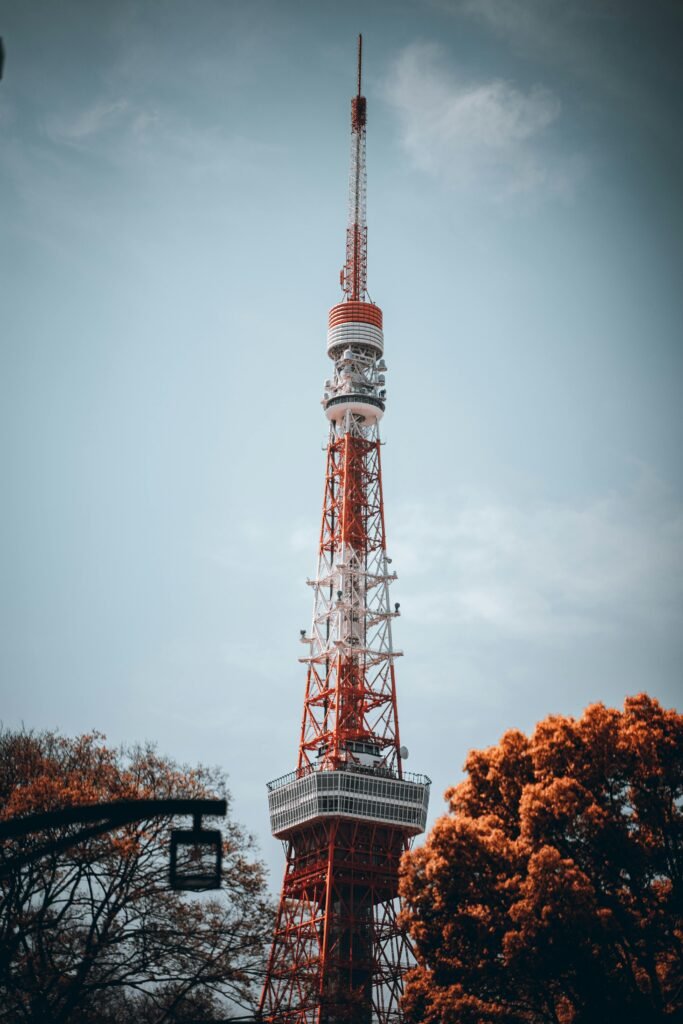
(580, 36)
(486, 136)
(134, 135)
(569, 33)
(551, 573)
(78, 126)
(625, 52)
(521, 20)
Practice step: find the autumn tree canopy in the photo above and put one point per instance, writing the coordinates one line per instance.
(553, 889)
(94, 934)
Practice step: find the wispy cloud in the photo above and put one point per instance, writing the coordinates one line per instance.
(550, 573)
(89, 121)
(521, 20)
(485, 135)
(568, 33)
(622, 50)
(131, 131)
(581, 37)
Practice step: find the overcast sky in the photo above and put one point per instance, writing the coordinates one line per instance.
(172, 208)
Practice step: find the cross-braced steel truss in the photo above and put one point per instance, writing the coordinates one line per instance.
(338, 954)
(350, 688)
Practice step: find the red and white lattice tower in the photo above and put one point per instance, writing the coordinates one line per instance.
(348, 811)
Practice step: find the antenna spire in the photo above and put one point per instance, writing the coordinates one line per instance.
(353, 277)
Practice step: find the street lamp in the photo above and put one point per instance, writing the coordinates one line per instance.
(196, 854)
(196, 858)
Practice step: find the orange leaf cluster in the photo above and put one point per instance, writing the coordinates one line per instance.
(553, 890)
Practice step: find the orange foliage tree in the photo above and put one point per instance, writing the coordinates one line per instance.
(94, 934)
(553, 890)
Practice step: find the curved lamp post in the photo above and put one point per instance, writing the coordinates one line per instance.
(196, 854)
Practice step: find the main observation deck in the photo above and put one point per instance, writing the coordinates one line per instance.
(313, 794)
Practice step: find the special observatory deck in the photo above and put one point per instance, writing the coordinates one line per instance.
(296, 798)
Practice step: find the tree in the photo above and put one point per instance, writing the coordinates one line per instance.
(553, 890)
(94, 934)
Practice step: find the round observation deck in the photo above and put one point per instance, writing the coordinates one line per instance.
(362, 795)
(369, 407)
(355, 325)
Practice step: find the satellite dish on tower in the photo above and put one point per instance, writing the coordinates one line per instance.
(403, 753)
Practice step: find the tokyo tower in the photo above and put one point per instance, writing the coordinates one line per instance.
(349, 810)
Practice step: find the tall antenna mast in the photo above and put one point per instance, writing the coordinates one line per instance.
(354, 274)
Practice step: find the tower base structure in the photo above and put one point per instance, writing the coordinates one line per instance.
(338, 955)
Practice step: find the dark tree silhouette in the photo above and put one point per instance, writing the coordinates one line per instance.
(553, 890)
(94, 934)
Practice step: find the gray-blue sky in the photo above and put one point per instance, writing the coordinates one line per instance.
(172, 199)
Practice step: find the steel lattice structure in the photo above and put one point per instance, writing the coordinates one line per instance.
(348, 811)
